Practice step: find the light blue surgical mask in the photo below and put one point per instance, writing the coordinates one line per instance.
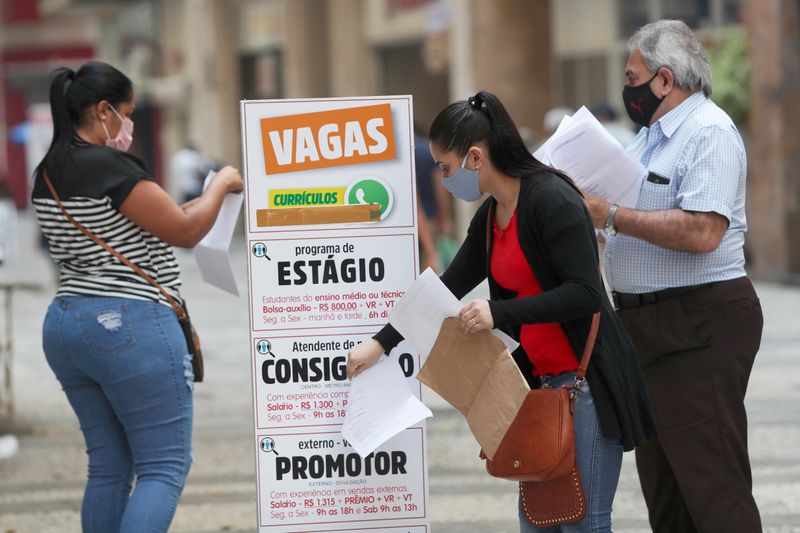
(464, 183)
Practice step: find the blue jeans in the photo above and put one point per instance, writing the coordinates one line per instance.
(124, 367)
(599, 463)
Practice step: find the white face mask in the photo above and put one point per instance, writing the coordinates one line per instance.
(124, 136)
(464, 183)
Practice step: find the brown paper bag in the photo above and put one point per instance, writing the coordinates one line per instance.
(476, 374)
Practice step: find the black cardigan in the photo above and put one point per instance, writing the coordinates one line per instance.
(557, 238)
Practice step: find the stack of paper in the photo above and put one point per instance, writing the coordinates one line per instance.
(380, 405)
(583, 149)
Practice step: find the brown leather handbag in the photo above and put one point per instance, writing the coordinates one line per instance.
(538, 450)
(189, 333)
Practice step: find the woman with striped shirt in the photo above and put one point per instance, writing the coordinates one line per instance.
(111, 338)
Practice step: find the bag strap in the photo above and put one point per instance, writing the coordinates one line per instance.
(179, 310)
(580, 375)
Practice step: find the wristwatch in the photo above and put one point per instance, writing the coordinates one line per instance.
(610, 228)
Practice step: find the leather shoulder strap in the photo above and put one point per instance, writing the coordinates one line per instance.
(179, 310)
(587, 351)
(590, 340)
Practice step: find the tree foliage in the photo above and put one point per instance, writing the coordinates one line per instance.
(730, 66)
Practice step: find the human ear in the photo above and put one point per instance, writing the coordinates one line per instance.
(102, 110)
(476, 156)
(667, 81)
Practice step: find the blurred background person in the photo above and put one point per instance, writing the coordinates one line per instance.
(435, 211)
(608, 118)
(8, 224)
(187, 167)
(550, 123)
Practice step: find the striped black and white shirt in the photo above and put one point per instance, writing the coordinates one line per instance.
(92, 185)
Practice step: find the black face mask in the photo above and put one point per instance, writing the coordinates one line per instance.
(641, 103)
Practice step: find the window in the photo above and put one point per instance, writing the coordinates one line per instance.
(584, 81)
(695, 13)
(261, 75)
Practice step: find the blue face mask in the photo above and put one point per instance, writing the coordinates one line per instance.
(464, 183)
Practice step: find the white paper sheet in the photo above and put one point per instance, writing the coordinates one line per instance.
(211, 253)
(419, 314)
(381, 405)
(590, 155)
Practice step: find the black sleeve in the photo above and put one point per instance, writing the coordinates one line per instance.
(100, 172)
(124, 172)
(558, 215)
(466, 271)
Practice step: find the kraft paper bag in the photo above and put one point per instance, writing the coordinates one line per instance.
(476, 374)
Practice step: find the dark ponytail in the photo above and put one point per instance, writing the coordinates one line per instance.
(483, 119)
(71, 95)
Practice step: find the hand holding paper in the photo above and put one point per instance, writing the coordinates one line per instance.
(381, 405)
(419, 314)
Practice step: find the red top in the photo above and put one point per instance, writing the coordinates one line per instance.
(546, 344)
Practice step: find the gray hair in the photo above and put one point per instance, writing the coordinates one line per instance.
(671, 44)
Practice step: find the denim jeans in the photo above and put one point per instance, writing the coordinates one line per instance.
(124, 367)
(599, 463)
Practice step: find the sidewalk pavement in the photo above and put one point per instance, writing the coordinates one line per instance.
(41, 486)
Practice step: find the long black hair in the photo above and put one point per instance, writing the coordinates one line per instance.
(483, 118)
(71, 95)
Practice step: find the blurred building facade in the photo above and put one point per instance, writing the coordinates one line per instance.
(193, 60)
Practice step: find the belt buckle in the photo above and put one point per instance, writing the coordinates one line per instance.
(615, 300)
(648, 298)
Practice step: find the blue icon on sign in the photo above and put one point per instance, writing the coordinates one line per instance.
(260, 250)
(267, 444)
(264, 347)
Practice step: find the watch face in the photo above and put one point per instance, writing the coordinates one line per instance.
(610, 228)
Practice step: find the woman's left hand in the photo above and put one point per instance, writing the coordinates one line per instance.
(476, 316)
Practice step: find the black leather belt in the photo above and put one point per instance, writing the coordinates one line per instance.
(624, 300)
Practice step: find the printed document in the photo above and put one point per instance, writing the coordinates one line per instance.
(419, 314)
(583, 149)
(380, 405)
(211, 253)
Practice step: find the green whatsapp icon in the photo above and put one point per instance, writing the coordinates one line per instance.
(370, 191)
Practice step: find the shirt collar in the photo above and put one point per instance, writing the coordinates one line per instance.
(670, 122)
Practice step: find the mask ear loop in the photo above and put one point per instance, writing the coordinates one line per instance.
(108, 137)
(103, 123)
(464, 163)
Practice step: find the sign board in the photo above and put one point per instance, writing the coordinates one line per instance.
(331, 219)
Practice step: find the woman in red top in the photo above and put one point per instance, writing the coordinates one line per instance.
(540, 259)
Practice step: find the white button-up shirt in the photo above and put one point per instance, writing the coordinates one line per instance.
(696, 161)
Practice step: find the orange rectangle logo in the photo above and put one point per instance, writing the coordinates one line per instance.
(328, 138)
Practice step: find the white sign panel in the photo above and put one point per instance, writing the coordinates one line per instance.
(332, 233)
